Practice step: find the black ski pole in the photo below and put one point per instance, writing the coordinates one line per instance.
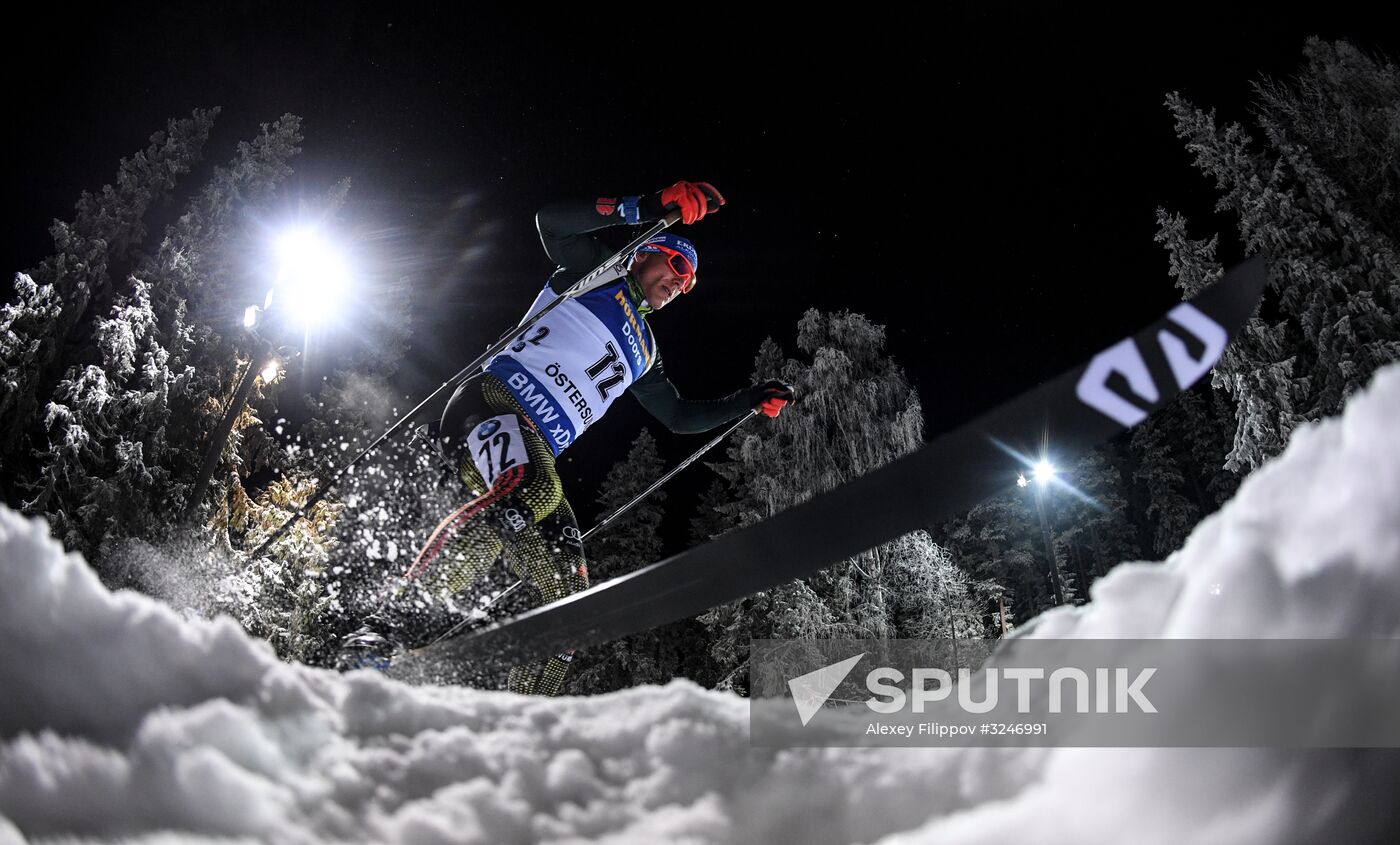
(667, 477)
(582, 286)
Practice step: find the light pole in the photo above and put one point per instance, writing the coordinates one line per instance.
(219, 437)
(310, 280)
(1044, 473)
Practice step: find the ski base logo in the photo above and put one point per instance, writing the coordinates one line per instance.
(1125, 360)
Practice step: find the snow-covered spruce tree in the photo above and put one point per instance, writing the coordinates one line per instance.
(1096, 526)
(1180, 453)
(135, 408)
(83, 340)
(999, 541)
(856, 412)
(1345, 109)
(1170, 512)
(709, 519)
(1322, 197)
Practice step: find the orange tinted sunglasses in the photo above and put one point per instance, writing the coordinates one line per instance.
(680, 265)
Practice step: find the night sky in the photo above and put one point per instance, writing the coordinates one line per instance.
(981, 182)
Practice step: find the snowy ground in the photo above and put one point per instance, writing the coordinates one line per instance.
(121, 721)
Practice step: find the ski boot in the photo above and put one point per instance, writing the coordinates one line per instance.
(366, 649)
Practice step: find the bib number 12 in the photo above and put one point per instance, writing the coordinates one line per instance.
(497, 446)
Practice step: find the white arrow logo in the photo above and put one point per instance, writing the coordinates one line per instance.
(810, 691)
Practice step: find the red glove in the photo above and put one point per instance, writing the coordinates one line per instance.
(771, 397)
(694, 199)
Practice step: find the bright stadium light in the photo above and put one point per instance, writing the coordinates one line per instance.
(312, 281)
(1044, 472)
(312, 277)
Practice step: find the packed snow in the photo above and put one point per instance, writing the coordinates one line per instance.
(122, 721)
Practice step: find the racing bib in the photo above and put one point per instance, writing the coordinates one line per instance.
(567, 369)
(497, 446)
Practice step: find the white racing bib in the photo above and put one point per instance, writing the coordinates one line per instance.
(497, 446)
(567, 369)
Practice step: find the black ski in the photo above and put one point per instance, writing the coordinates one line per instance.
(1112, 392)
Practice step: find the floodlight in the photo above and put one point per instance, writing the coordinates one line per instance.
(312, 278)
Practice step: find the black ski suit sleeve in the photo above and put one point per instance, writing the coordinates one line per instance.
(566, 232)
(687, 416)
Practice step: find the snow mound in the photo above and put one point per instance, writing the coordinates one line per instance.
(121, 721)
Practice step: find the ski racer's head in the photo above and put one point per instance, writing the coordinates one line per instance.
(664, 267)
